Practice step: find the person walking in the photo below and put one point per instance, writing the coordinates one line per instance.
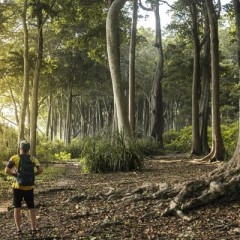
(23, 168)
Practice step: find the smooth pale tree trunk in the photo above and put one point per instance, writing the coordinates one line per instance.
(113, 50)
(196, 143)
(34, 105)
(205, 90)
(217, 150)
(25, 92)
(157, 121)
(132, 54)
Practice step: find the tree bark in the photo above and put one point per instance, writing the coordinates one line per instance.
(132, 50)
(68, 126)
(49, 116)
(205, 90)
(25, 93)
(113, 50)
(34, 106)
(157, 121)
(196, 143)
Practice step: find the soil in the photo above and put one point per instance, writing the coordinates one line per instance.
(60, 217)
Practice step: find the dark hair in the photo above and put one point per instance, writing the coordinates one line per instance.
(24, 145)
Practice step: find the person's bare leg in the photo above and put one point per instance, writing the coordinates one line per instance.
(32, 215)
(17, 218)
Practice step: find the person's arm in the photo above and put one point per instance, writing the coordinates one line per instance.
(39, 170)
(9, 172)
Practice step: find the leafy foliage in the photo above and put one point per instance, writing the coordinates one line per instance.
(230, 136)
(8, 142)
(178, 141)
(47, 150)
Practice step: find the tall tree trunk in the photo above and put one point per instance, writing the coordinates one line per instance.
(25, 93)
(113, 49)
(146, 114)
(132, 50)
(49, 115)
(205, 90)
(68, 126)
(34, 106)
(217, 150)
(236, 3)
(157, 122)
(196, 143)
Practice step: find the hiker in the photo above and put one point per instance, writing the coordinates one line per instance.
(22, 168)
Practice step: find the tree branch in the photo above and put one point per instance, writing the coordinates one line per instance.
(143, 7)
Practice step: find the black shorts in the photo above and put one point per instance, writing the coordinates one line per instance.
(19, 195)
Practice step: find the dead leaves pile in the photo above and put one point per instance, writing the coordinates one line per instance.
(76, 207)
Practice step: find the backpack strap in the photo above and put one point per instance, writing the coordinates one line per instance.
(20, 162)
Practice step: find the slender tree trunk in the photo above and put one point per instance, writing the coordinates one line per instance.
(132, 50)
(113, 49)
(157, 125)
(146, 116)
(34, 106)
(205, 90)
(68, 126)
(196, 143)
(218, 150)
(49, 115)
(25, 93)
(13, 101)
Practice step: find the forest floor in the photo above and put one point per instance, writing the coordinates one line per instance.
(93, 219)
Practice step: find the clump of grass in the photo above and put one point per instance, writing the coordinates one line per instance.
(110, 155)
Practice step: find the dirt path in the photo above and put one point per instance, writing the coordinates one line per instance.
(59, 218)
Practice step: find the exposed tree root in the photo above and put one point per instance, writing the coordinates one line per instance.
(219, 185)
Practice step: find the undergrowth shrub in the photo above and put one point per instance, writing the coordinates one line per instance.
(181, 141)
(110, 155)
(50, 150)
(178, 141)
(148, 146)
(230, 137)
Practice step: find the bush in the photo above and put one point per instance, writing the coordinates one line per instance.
(181, 141)
(230, 137)
(178, 142)
(110, 155)
(148, 146)
(49, 150)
